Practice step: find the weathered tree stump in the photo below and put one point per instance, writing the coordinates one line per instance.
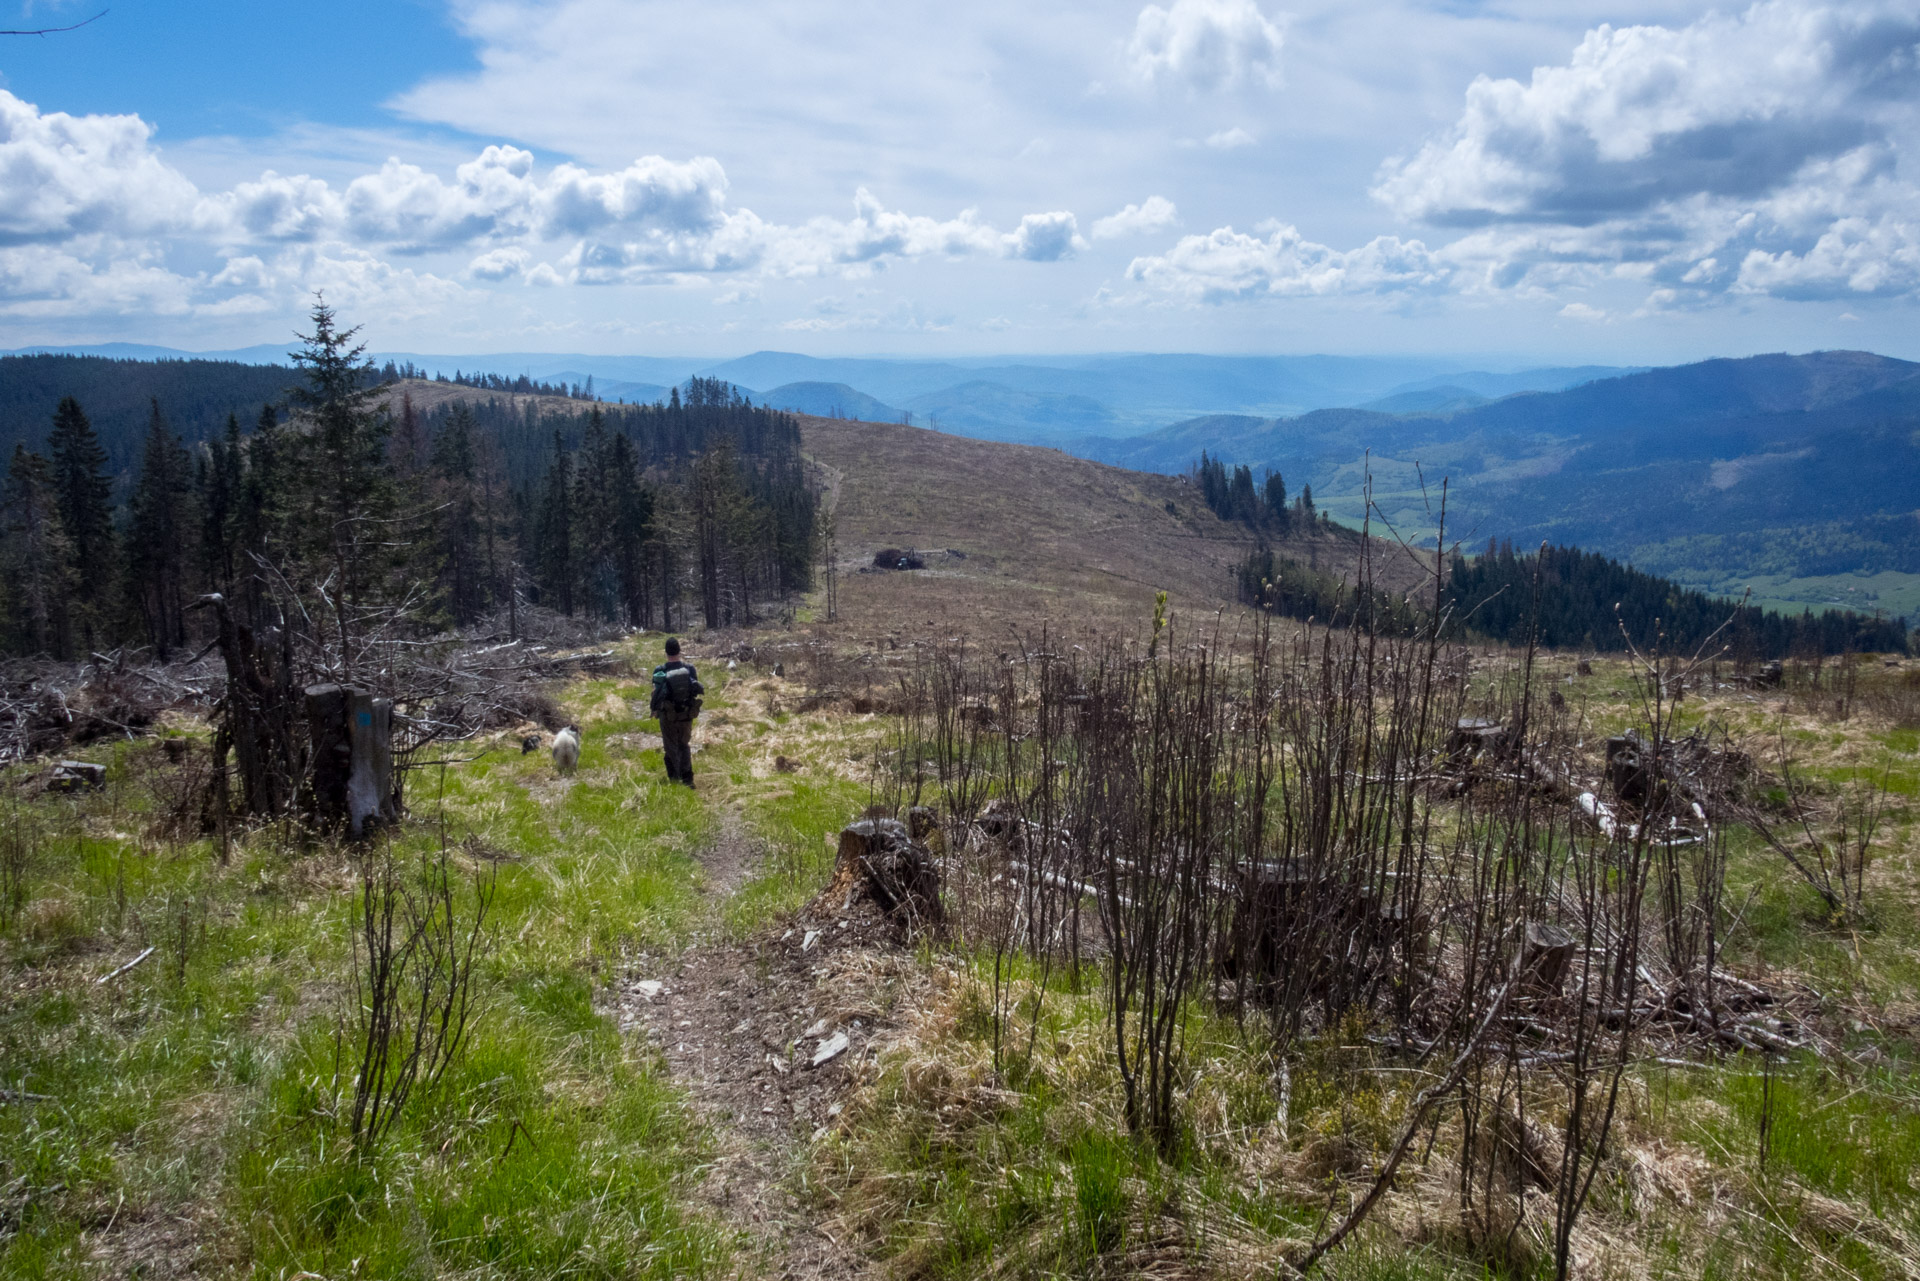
(259, 722)
(1629, 772)
(897, 872)
(352, 782)
(1545, 955)
(1471, 738)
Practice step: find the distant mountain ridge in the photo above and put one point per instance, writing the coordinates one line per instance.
(828, 400)
(1777, 458)
(1796, 476)
(1035, 399)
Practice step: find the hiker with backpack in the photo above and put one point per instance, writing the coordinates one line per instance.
(676, 701)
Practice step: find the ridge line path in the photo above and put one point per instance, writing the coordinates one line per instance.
(738, 1021)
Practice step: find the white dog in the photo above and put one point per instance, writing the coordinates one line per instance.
(566, 750)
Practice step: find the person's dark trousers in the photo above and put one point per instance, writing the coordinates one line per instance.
(677, 739)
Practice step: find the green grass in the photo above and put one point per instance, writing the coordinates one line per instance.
(206, 1080)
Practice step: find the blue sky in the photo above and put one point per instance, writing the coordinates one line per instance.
(1647, 182)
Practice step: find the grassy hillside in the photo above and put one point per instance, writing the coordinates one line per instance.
(1039, 534)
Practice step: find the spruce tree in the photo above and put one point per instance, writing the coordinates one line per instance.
(630, 525)
(554, 561)
(219, 483)
(1241, 503)
(456, 519)
(84, 494)
(409, 450)
(160, 536)
(343, 492)
(496, 514)
(1276, 499)
(711, 477)
(592, 512)
(259, 505)
(38, 558)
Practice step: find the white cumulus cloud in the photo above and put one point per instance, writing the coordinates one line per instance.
(1226, 265)
(1206, 45)
(63, 176)
(1155, 213)
(1044, 237)
(652, 192)
(91, 215)
(1230, 139)
(1757, 152)
(500, 264)
(405, 206)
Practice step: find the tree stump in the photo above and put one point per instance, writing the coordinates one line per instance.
(897, 872)
(1544, 959)
(352, 752)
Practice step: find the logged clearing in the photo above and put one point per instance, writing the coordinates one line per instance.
(698, 1042)
(1013, 534)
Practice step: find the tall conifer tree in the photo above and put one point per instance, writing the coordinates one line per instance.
(160, 536)
(343, 492)
(84, 494)
(38, 558)
(458, 541)
(219, 485)
(258, 508)
(553, 532)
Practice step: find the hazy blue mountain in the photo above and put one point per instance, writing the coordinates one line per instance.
(1548, 378)
(1646, 406)
(260, 354)
(1444, 399)
(828, 400)
(652, 371)
(1714, 473)
(889, 381)
(993, 411)
(1138, 392)
(1033, 398)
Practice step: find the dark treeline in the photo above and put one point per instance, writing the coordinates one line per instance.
(198, 396)
(522, 385)
(665, 435)
(1492, 594)
(1579, 600)
(347, 506)
(1264, 507)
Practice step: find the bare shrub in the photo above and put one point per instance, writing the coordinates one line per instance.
(180, 775)
(418, 936)
(1345, 831)
(183, 929)
(19, 856)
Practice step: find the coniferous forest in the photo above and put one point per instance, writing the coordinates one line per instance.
(1564, 598)
(337, 493)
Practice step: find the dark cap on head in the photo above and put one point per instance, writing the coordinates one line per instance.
(673, 647)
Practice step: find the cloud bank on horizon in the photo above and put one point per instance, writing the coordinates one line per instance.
(1710, 168)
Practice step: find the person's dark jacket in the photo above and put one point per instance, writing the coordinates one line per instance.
(676, 691)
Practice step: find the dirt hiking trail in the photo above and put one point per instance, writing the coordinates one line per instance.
(768, 1035)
